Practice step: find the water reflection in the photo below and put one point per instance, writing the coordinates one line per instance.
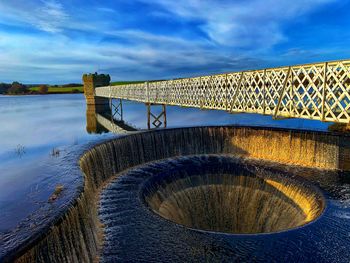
(20, 150)
(110, 118)
(37, 132)
(92, 126)
(40, 130)
(121, 116)
(100, 119)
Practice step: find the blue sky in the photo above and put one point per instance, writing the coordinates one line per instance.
(56, 41)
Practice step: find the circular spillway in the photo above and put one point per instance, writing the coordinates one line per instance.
(232, 198)
(139, 170)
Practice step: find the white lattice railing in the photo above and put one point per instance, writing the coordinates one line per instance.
(319, 91)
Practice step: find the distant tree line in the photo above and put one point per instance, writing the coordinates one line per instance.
(17, 88)
(14, 88)
(4, 88)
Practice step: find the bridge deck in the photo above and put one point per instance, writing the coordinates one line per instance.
(318, 91)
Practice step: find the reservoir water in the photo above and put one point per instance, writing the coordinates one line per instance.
(38, 134)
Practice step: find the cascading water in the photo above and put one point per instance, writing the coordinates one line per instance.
(145, 180)
(224, 196)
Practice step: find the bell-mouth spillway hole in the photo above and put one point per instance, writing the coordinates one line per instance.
(228, 197)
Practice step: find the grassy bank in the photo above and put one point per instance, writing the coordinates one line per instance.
(76, 89)
(60, 89)
(80, 89)
(117, 83)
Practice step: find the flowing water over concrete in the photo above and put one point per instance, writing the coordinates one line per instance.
(222, 195)
(132, 232)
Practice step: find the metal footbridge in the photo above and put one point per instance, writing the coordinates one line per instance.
(319, 91)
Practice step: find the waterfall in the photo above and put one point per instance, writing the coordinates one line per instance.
(220, 194)
(77, 236)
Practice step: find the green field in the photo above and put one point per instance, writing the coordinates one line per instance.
(117, 83)
(55, 90)
(80, 89)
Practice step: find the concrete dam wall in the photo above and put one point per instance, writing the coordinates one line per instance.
(77, 236)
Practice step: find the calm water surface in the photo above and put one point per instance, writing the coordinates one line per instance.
(36, 132)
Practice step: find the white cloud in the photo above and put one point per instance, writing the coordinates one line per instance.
(51, 17)
(241, 23)
(59, 59)
(48, 15)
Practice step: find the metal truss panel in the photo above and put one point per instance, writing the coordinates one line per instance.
(319, 91)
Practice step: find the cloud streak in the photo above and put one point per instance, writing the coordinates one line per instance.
(242, 23)
(45, 15)
(57, 41)
(51, 16)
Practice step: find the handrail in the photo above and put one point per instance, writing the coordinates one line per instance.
(318, 91)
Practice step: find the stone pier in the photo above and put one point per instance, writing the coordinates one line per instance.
(92, 81)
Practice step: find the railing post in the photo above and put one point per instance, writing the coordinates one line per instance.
(237, 89)
(147, 91)
(201, 92)
(168, 90)
(264, 92)
(324, 90)
(282, 93)
(209, 87)
(291, 104)
(226, 93)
